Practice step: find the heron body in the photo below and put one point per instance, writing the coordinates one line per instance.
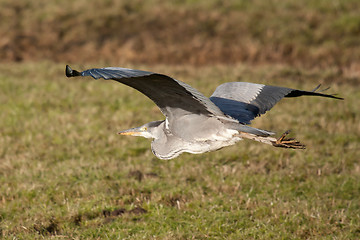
(168, 144)
(197, 124)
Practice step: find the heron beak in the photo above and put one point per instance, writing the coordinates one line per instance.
(131, 132)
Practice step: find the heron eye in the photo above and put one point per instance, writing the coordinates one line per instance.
(145, 128)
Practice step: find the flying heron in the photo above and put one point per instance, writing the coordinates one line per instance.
(197, 124)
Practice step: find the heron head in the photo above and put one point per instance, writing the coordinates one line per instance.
(148, 130)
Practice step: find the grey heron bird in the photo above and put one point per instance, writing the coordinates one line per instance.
(197, 124)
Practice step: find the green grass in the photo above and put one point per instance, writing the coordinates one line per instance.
(65, 173)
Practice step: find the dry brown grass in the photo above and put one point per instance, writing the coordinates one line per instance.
(305, 33)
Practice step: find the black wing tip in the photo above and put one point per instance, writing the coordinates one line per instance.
(69, 72)
(330, 96)
(339, 98)
(326, 95)
(298, 93)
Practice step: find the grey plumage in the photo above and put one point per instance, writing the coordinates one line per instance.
(195, 123)
(244, 101)
(170, 95)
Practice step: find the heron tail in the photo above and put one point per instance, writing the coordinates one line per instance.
(251, 130)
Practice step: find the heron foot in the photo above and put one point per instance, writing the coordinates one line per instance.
(284, 142)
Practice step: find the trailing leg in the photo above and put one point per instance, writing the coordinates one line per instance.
(282, 141)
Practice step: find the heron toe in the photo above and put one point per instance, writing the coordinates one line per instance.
(288, 142)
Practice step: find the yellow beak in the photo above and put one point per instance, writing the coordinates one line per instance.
(127, 133)
(132, 132)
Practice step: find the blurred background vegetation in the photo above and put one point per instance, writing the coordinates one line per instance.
(302, 33)
(65, 174)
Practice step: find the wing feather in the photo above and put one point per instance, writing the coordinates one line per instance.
(173, 97)
(245, 101)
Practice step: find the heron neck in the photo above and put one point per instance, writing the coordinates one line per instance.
(158, 132)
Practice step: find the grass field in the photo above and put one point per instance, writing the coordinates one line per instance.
(66, 174)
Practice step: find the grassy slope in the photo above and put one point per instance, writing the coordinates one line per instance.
(303, 33)
(64, 171)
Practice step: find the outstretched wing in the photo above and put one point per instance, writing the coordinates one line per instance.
(173, 97)
(245, 101)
